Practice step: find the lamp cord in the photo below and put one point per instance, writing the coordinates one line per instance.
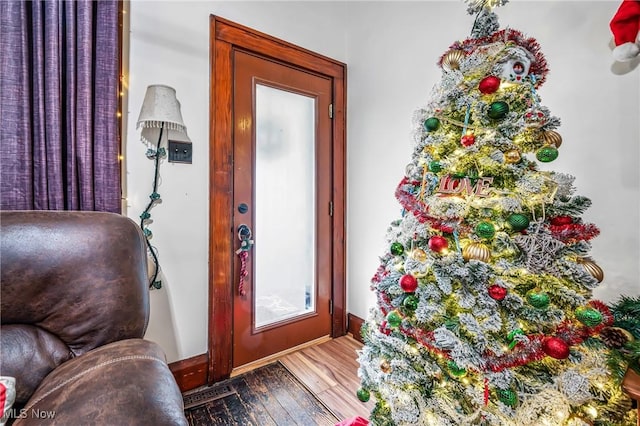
(146, 215)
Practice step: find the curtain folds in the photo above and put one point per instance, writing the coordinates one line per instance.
(59, 71)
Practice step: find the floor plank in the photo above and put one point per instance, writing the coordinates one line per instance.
(330, 371)
(270, 396)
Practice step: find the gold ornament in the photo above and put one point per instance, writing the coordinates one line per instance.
(451, 60)
(477, 251)
(419, 255)
(552, 138)
(385, 366)
(592, 267)
(512, 156)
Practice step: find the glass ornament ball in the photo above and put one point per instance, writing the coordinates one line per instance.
(556, 348)
(363, 394)
(518, 221)
(435, 166)
(476, 251)
(547, 154)
(485, 230)
(489, 84)
(438, 243)
(410, 302)
(408, 283)
(592, 268)
(385, 367)
(468, 139)
(419, 255)
(498, 110)
(538, 299)
(451, 60)
(512, 156)
(508, 397)
(394, 319)
(397, 249)
(455, 370)
(588, 316)
(552, 138)
(432, 124)
(497, 293)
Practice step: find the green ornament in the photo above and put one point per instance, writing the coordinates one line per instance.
(455, 370)
(435, 166)
(410, 302)
(432, 124)
(538, 299)
(394, 319)
(508, 397)
(518, 222)
(589, 316)
(363, 394)
(485, 229)
(498, 110)
(397, 249)
(547, 154)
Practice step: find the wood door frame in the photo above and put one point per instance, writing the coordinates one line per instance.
(224, 37)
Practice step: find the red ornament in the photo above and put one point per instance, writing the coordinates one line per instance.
(438, 243)
(496, 292)
(561, 220)
(555, 348)
(468, 139)
(409, 283)
(489, 84)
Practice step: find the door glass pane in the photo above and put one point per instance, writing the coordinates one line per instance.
(285, 221)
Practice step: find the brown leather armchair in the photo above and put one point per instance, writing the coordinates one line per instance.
(74, 307)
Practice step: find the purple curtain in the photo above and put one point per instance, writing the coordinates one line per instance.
(59, 139)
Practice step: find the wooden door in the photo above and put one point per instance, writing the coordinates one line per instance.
(282, 206)
(272, 65)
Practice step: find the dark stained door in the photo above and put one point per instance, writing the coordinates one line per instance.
(300, 240)
(282, 206)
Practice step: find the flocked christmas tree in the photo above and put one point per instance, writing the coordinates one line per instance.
(484, 312)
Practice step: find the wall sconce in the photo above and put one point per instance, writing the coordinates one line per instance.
(160, 116)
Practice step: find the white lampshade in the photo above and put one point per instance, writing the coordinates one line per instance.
(161, 107)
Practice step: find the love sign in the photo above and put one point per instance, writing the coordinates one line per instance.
(463, 186)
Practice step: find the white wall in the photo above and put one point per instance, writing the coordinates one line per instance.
(390, 49)
(169, 44)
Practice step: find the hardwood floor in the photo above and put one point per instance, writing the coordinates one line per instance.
(329, 370)
(266, 396)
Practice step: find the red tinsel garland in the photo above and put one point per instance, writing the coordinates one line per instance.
(574, 232)
(539, 65)
(409, 202)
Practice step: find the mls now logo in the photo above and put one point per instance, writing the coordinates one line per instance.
(23, 413)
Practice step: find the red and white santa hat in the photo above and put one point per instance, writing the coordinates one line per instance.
(625, 26)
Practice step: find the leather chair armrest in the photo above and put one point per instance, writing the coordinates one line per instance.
(125, 383)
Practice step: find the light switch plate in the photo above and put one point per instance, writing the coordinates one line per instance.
(180, 152)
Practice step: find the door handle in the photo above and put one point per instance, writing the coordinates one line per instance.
(244, 235)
